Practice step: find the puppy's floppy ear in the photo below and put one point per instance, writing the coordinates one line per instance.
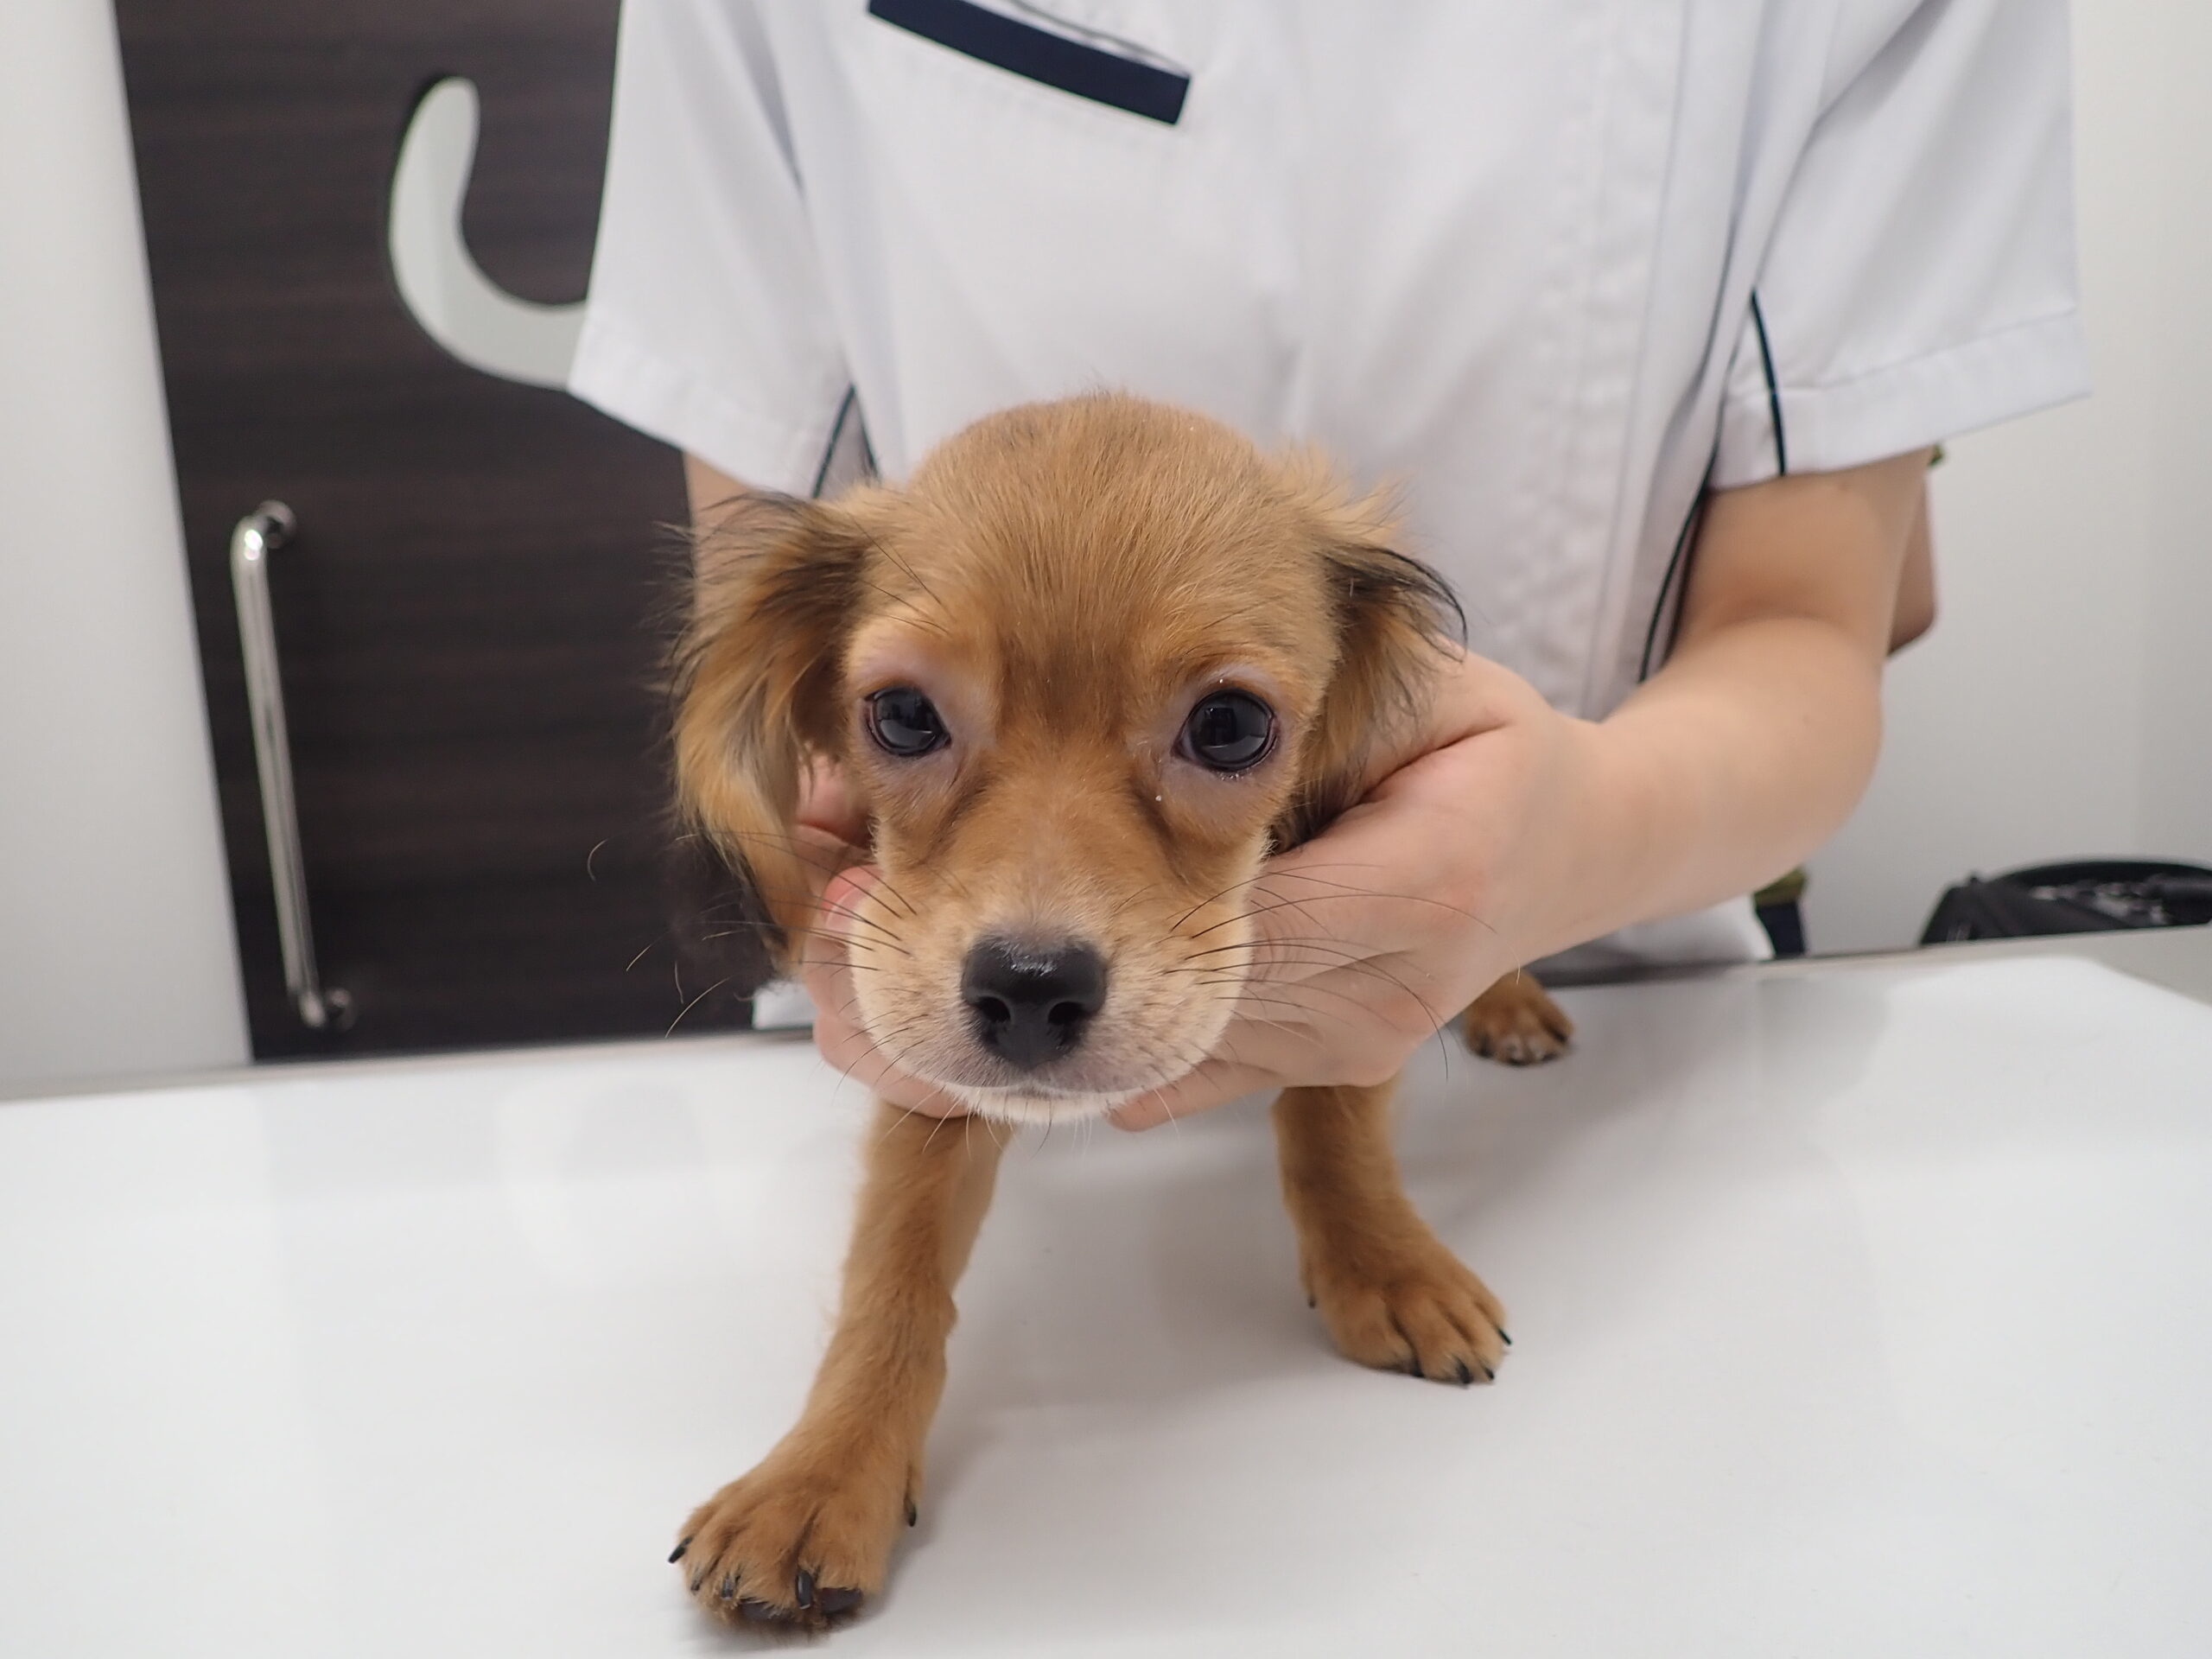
(1395, 622)
(775, 588)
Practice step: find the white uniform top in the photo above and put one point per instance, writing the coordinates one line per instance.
(1556, 266)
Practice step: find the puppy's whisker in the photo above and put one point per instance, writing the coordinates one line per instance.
(1262, 910)
(890, 1034)
(1159, 1093)
(1276, 951)
(873, 1052)
(1350, 964)
(1277, 1024)
(885, 889)
(1367, 966)
(838, 908)
(1279, 941)
(694, 1002)
(890, 939)
(712, 915)
(895, 1038)
(1347, 890)
(1244, 989)
(1235, 886)
(800, 851)
(1273, 953)
(1301, 985)
(806, 961)
(1212, 899)
(1274, 874)
(731, 927)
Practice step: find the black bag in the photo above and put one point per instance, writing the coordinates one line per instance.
(2088, 896)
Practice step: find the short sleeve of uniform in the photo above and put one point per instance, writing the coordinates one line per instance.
(707, 323)
(1920, 279)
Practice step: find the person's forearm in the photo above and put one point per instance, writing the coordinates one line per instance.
(1727, 771)
(1753, 742)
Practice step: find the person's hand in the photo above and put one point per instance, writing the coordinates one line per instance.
(834, 827)
(1457, 867)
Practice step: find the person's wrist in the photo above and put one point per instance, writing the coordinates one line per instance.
(1610, 835)
(1571, 869)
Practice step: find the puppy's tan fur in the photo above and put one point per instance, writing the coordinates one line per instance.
(1064, 581)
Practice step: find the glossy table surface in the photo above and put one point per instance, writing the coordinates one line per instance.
(1860, 1311)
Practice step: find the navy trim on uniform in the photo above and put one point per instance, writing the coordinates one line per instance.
(837, 431)
(1039, 54)
(1773, 390)
(1684, 538)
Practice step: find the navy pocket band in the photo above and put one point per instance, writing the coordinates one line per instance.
(1039, 54)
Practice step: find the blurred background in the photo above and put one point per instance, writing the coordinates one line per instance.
(463, 603)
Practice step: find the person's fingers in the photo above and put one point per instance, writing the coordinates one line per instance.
(839, 906)
(1215, 1082)
(842, 1041)
(808, 860)
(846, 1047)
(1341, 902)
(827, 801)
(839, 1035)
(1356, 1026)
(1392, 876)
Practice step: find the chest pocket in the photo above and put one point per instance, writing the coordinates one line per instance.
(1114, 72)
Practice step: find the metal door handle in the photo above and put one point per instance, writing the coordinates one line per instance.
(257, 535)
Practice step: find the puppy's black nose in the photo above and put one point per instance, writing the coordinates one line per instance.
(1031, 1002)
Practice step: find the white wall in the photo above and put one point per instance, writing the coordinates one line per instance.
(2063, 704)
(2175, 425)
(116, 951)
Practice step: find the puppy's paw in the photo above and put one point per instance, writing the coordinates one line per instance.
(1409, 1305)
(1516, 1021)
(802, 1541)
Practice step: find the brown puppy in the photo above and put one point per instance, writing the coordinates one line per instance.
(1087, 670)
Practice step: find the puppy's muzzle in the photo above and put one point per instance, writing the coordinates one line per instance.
(1029, 1004)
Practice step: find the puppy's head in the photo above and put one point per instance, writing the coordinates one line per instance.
(1086, 671)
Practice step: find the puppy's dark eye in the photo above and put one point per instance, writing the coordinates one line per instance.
(904, 722)
(1229, 731)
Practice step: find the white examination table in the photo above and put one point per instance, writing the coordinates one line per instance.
(1858, 1310)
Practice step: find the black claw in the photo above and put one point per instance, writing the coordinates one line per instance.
(1507, 1340)
(1489, 1376)
(728, 1589)
(696, 1582)
(1465, 1375)
(759, 1612)
(802, 1588)
(838, 1600)
(913, 1515)
(677, 1555)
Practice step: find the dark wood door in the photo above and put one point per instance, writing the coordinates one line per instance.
(469, 617)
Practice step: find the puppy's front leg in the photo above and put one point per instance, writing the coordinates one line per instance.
(1391, 1293)
(805, 1537)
